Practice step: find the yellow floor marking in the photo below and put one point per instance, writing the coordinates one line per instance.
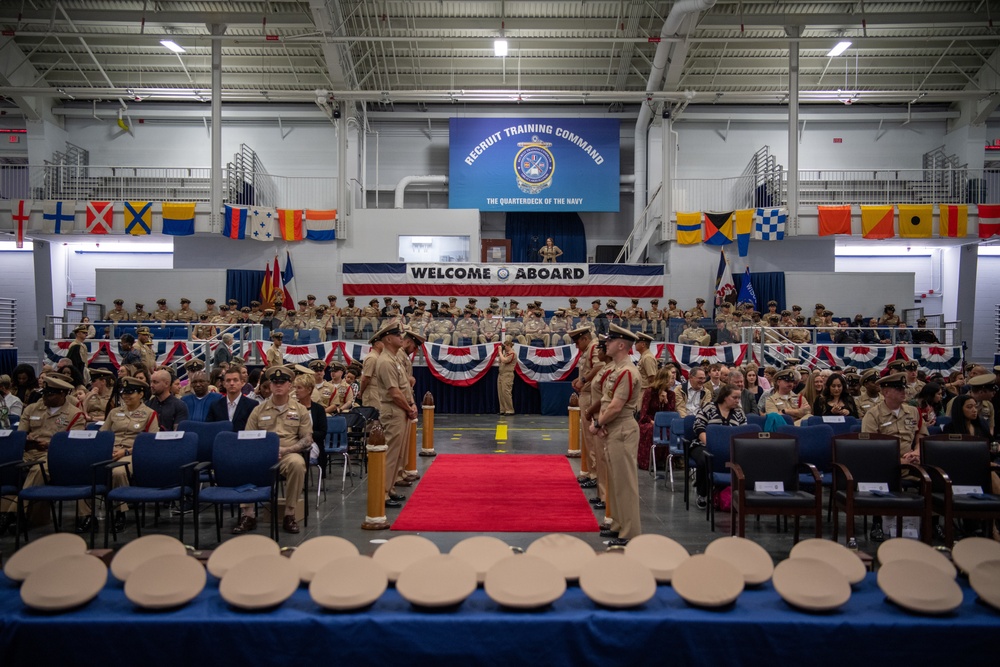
(510, 428)
(499, 451)
(501, 432)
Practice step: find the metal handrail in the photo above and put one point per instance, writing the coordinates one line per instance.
(639, 230)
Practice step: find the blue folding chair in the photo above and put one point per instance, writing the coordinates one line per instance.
(839, 426)
(661, 438)
(163, 470)
(205, 433)
(756, 419)
(336, 445)
(245, 470)
(681, 435)
(717, 450)
(76, 470)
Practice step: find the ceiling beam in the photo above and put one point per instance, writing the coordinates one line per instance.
(10, 15)
(17, 71)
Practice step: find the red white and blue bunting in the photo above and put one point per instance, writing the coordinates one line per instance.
(545, 364)
(460, 366)
(464, 366)
(688, 356)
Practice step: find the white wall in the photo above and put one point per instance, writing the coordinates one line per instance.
(147, 285)
(987, 296)
(849, 293)
(17, 276)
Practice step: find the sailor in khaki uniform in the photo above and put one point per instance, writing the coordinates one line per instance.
(42, 420)
(870, 394)
(343, 395)
(573, 311)
(889, 317)
(185, 314)
(673, 311)
(535, 328)
(324, 391)
(369, 316)
(210, 308)
(412, 342)
(395, 412)
(559, 326)
(489, 328)
(595, 309)
(588, 367)
(698, 312)
(145, 348)
(95, 404)
(282, 414)
(507, 362)
(118, 313)
(352, 314)
(893, 416)
(784, 401)
(653, 317)
(647, 362)
(634, 317)
(439, 330)
(466, 329)
(140, 314)
(275, 356)
(616, 425)
(162, 313)
(126, 422)
(694, 334)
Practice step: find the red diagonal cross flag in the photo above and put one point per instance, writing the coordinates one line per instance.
(99, 217)
(20, 216)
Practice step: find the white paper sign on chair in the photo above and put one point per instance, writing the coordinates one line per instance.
(252, 435)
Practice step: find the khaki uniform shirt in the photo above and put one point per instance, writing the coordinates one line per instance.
(389, 374)
(163, 314)
(467, 328)
(148, 356)
(647, 369)
(116, 315)
(41, 426)
(777, 404)
(697, 311)
(674, 312)
(490, 328)
(185, 315)
(204, 331)
(633, 314)
(96, 405)
(906, 425)
(323, 393)
(373, 394)
(866, 403)
(274, 356)
(588, 362)
(127, 424)
(558, 324)
(292, 423)
(343, 395)
(621, 380)
(913, 389)
(534, 325)
(407, 363)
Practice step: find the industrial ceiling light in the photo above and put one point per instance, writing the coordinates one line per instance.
(500, 48)
(172, 45)
(837, 50)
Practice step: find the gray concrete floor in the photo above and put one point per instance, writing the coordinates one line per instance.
(662, 510)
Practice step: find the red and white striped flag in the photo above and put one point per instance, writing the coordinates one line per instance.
(989, 220)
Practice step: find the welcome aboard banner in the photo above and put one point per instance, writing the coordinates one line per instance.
(635, 281)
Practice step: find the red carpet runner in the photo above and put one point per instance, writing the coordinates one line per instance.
(493, 493)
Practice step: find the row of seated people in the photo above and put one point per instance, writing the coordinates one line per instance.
(136, 401)
(451, 324)
(898, 400)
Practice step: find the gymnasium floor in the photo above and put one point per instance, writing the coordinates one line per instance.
(341, 514)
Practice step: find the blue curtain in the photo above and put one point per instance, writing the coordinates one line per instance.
(767, 286)
(527, 232)
(480, 398)
(244, 286)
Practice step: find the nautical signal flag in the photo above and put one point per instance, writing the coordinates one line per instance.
(688, 228)
(139, 218)
(834, 220)
(20, 213)
(100, 217)
(718, 228)
(989, 220)
(262, 223)
(58, 216)
(954, 220)
(178, 219)
(916, 221)
(234, 225)
(321, 225)
(290, 224)
(744, 225)
(877, 222)
(770, 224)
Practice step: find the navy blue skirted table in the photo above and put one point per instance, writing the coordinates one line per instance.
(8, 360)
(759, 628)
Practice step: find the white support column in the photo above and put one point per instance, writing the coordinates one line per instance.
(793, 128)
(42, 251)
(667, 191)
(215, 214)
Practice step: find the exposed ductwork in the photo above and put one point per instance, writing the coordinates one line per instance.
(665, 51)
(409, 180)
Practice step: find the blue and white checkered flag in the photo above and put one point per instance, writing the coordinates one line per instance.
(769, 224)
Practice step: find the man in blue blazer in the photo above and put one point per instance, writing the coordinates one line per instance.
(234, 406)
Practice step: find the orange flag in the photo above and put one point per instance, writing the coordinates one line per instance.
(290, 224)
(834, 220)
(878, 222)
